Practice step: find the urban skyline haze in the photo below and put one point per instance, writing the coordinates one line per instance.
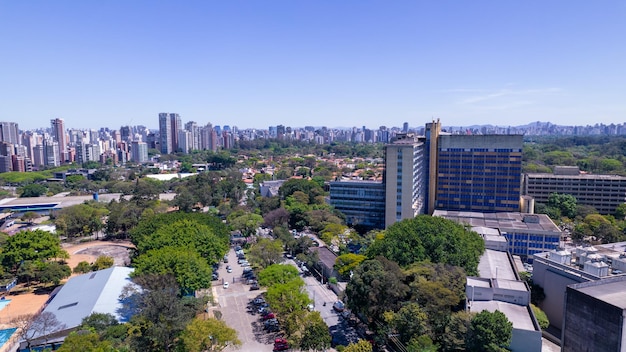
(349, 63)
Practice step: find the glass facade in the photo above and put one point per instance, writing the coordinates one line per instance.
(480, 179)
(362, 202)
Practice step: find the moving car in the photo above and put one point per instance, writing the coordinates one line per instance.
(226, 284)
(229, 269)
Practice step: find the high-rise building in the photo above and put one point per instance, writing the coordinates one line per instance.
(405, 178)
(51, 152)
(192, 127)
(139, 152)
(479, 172)
(9, 132)
(58, 135)
(169, 125)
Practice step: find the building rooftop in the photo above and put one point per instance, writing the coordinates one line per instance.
(504, 221)
(98, 291)
(494, 264)
(518, 315)
(611, 290)
(574, 177)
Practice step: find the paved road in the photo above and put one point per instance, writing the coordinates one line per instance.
(233, 304)
(324, 299)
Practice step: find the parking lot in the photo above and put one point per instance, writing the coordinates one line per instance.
(238, 311)
(233, 304)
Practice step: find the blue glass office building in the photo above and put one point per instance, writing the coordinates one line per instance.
(479, 172)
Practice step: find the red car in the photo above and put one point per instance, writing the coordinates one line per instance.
(269, 316)
(281, 345)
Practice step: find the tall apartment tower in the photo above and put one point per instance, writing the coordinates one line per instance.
(479, 173)
(169, 125)
(193, 128)
(9, 133)
(405, 178)
(58, 134)
(139, 152)
(51, 152)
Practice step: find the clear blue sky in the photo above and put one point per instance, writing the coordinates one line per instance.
(295, 62)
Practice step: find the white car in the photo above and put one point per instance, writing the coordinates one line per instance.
(226, 284)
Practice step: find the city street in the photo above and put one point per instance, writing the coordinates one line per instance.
(233, 304)
(341, 331)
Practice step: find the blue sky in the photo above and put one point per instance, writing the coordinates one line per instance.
(297, 63)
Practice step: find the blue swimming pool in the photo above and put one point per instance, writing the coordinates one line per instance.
(4, 303)
(5, 335)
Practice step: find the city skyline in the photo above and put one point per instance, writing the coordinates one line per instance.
(320, 64)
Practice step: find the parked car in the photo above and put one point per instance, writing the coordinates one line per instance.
(271, 325)
(258, 301)
(215, 276)
(254, 287)
(339, 306)
(281, 344)
(268, 316)
(226, 259)
(225, 284)
(310, 307)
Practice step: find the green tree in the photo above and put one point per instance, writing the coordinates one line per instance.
(489, 331)
(185, 233)
(247, 223)
(103, 262)
(377, 286)
(80, 219)
(288, 297)
(144, 232)
(409, 322)
(565, 203)
(33, 190)
(29, 216)
(428, 238)
(208, 335)
(160, 313)
(266, 252)
(455, 333)
(359, 346)
(34, 245)
(346, 263)
(85, 340)
(315, 334)
(52, 272)
(190, 270)
(277, 274)
(82, 268)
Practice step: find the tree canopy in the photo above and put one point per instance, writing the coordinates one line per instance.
(489, 331)
(428, 238)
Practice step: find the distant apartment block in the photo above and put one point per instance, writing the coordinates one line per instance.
(9, 132)
(526, 234)
(362, 202)
(139, 152)
(603, 192)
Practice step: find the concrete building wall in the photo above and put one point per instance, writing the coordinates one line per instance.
(525, 340)
(591, 324)
(554, 282)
